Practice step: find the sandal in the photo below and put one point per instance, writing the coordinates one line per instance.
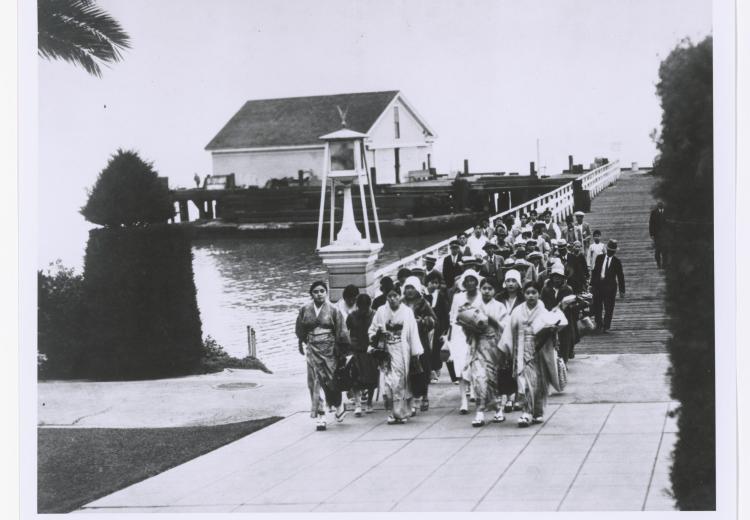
(358, 411)
(524, 421)
(320, 426)
(369, 409)
(395, 420)
(425, 406)
(499, 417)
(508, 408)
(413, 411)
(341, 413)
(537, 420)
(478, 420)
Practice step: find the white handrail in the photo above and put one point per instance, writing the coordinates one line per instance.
(559, 201)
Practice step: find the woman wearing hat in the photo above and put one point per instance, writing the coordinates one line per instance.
(530, 339)
(459, 347)
(321, 327)
(425, 317)
(484, 357)
(395, 328)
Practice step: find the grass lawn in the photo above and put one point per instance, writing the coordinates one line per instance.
(79, 465)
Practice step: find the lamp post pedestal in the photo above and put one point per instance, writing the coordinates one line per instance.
(349, 264)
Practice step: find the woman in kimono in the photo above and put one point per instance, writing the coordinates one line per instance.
(458, 342)
(484, 356)
(530, 337)
(426, 318)
(320, 326)
(366, 375)
(510, 297)
(395, 328)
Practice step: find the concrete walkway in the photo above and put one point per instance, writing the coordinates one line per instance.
(597, 456)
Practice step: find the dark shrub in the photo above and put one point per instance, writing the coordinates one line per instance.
(128, 192)
(685, 169)
(140, 298)
(60, 321)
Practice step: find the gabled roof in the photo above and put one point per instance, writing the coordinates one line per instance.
(299, 120)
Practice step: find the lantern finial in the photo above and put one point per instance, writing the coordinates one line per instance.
(342, 115)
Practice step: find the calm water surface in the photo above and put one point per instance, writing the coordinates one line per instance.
(262, 283)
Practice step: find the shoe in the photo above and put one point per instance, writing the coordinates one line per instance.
(517, 407)
(537, 420)
(425, 405)
(413, 411)
(464, 408)
(341, 413)
(508, 408)
(368, 409)
(434, 378)
(499, 417)
(320, 425)
(395, 420)
(524, 421)
(478, 420)
(455, 382)
(358, 411)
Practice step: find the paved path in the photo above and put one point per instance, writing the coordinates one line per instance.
(605, 443)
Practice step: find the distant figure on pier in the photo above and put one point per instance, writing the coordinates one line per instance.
(583, 230)
(453, 264)
(205, 181)
(197, 180)
(321, 329)
(657, 224)
(595, 249)
(607, 275)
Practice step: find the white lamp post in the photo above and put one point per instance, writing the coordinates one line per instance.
(349, 257)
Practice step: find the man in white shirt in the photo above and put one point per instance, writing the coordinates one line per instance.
(477, 241)
(551, 228)
(348, 302)
(595, 249)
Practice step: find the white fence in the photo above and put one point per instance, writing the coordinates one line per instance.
(558, 201)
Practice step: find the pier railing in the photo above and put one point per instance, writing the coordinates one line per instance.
(559, 202)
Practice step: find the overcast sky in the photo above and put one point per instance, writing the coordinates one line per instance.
(491, 77)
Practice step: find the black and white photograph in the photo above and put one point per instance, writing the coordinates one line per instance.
(396, 256)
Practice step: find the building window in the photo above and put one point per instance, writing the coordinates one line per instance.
(396, 126)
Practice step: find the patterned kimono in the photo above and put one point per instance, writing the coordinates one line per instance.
(484, 356)
(423, 310)
(534, 368)
(321, 333)
(401, 339)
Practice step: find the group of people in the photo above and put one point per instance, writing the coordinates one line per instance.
(500, 311)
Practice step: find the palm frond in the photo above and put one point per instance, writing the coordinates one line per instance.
(80, 32)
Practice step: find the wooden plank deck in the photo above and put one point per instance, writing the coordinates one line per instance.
(639, 324)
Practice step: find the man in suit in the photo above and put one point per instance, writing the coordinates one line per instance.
(657, 229)
(577, 269)
(453, 264)
(492, 264)
(605, 279)
(550, 227)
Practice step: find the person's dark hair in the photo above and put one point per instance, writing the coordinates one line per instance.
(403, 273)
(364, 301)
(529, 284)
(488, 281)
(351, 291)
(318, 283)
(386, 283)
(434, 275)
(597, 232)
(395, 289)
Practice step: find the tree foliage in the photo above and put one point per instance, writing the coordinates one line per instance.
(685, 170)
(128, 192)
(79, 32)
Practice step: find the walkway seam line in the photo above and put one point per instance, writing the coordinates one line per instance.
(513, 461)
(656, 460)
(585, 458)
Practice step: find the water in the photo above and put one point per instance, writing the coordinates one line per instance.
(263, 283)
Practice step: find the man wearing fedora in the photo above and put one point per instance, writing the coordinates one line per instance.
(606, 277)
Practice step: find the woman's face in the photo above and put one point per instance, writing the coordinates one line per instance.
(410, 292)
(488, 292)
(511, 285)
(319, 294)
(394, 300)
(470, 284)
(532, 296)
(433, 285)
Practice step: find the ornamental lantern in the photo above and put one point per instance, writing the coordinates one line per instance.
(349, 256)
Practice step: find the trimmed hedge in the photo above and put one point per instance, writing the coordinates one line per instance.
(141, 307)
(685, 171)
(60, 318)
